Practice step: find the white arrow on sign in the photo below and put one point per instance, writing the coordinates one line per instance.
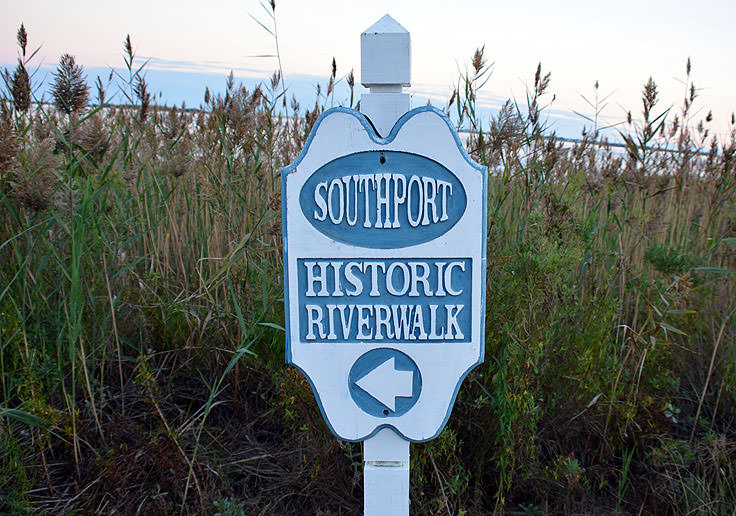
(386, 383)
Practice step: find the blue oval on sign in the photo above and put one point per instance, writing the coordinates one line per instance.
(383, 199)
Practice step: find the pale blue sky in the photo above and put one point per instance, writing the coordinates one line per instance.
(620, 43)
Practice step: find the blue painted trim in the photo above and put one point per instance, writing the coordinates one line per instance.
(373, 134)
(371, 131)
(484, 171)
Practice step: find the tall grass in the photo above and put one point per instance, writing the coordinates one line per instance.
(141, 343)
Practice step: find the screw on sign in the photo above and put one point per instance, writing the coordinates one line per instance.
(384, 229)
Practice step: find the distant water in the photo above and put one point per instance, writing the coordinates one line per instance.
(172, 88)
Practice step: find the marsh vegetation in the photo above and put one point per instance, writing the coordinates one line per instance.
(141, 312)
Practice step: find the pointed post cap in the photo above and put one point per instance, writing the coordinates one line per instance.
(385, 49)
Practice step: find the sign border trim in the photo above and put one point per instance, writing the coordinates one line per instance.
(373, 134)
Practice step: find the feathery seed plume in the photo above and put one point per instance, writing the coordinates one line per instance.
(22, 38)
(479, 60)
(20, 86)
(351, 79)
(100, 91)
(143, 95)
(70, 91)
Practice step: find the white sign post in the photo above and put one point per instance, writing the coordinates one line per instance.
(384, 227)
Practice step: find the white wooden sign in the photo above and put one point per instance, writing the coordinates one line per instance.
(384, 261)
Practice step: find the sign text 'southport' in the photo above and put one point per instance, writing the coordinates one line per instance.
(384, 199)
(420, 200)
